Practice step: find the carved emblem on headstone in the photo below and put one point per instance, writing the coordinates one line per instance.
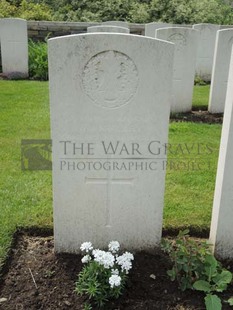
(178, 39)
(110, 79)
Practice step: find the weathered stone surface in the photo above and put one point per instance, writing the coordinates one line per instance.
(14, 45)
(117, 23)
(107, 28)
(152, 27)
(221, 231)
(222, 56)
(110, 110)
(185, 41)
(205, 52)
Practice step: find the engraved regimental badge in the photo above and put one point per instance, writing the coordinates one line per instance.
(110, 79)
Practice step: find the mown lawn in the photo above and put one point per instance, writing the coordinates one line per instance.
(201, 97)
(26, 196)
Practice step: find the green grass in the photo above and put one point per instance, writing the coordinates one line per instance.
(191, 174)
(201, 97)
(26, 196)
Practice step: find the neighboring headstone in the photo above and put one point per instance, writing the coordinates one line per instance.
(225, 27)
(14, 46)
(117, 23)
(205, 52)
(186, 41)
(152, 27)
(222, 56)
(221, 231)
(107, 29)
(110, 110)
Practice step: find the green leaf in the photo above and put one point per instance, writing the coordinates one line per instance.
(213, 302)
(222, 279)
(202, 285)
(172, 274)
(210, 259)
(230, 301)
(183, 233)
(226, 276)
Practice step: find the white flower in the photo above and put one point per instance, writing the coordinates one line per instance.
(104, 258)
(115, 280)
(114, 246)
(86, 259)
(115, 272)
(86, 246)
(125, 261)
(128, 255)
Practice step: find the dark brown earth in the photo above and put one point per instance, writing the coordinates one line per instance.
(198, 116)
(39, 279)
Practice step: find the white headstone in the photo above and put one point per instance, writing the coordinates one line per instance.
(205, 52)
(14, 46)
(110, 110)
(116, 23)
(221, 231)
(185, 41)
(152, 27)
(107, 29)
(225, 27)
(222, 56)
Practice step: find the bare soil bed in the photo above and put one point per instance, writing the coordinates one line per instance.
(39, 279)
(198, 117)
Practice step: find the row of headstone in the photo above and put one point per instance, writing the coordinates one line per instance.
(209, 51)
(14, 55)
(206, 44)
(206, 41)
(14, 47)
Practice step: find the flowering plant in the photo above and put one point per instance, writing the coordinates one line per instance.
(105, 272)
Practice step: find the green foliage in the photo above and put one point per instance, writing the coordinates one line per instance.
(230, 301)
(105, 273)
(93, 282)
(139, 13)
(6, 9)
(34, 11)
(87, 306)
(213, 279)
(199, 81)
(136, 11)
(26, 9)
(213, 302)
(38, 60)
(191, 11)
(195, 267)
(188, 257)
